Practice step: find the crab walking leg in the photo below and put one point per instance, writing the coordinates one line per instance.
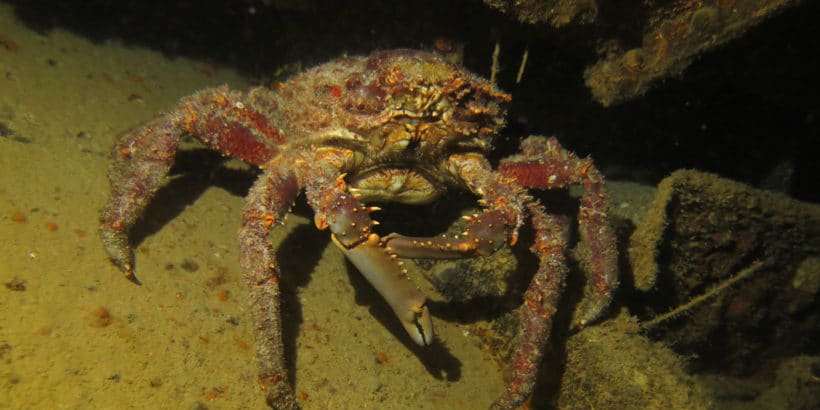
(540, 300)
(267, 204)
(544, 164)
(228, 121)
(142, 161)
(349, 221)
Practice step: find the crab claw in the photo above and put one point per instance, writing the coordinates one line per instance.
(384, 273)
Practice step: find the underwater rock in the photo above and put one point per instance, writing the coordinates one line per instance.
(555, 12)
(612, 366)
(734, 267)
(796, 386)
(675, 35)
(468, 279)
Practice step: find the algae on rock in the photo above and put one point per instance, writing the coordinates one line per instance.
(722, 258)
(612, 366)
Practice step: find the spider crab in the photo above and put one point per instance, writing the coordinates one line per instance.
(400, 126)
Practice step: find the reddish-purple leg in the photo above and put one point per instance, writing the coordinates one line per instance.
(540, 301)
(142, 162)
(266, 206)
(544, 164)
(507, 205)
(227, 121)
(233, 124)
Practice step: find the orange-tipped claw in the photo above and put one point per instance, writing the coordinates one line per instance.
(129, 274)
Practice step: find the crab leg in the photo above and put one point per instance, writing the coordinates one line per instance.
(349, 221)
(507, 203)
(544, 164)
(267, 204)
(142, 161)
(228, 121)
(540, 301)
(236, 125)
(485, 234)
(498, 224)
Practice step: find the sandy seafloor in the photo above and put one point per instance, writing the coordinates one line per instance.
(81, 336)
(182, 339)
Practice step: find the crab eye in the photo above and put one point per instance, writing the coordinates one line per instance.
(366, 97)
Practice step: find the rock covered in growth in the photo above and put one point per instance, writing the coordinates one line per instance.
(796, 386)
(611, 366)
(676, 34)
(734, 266)
(555, 12)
